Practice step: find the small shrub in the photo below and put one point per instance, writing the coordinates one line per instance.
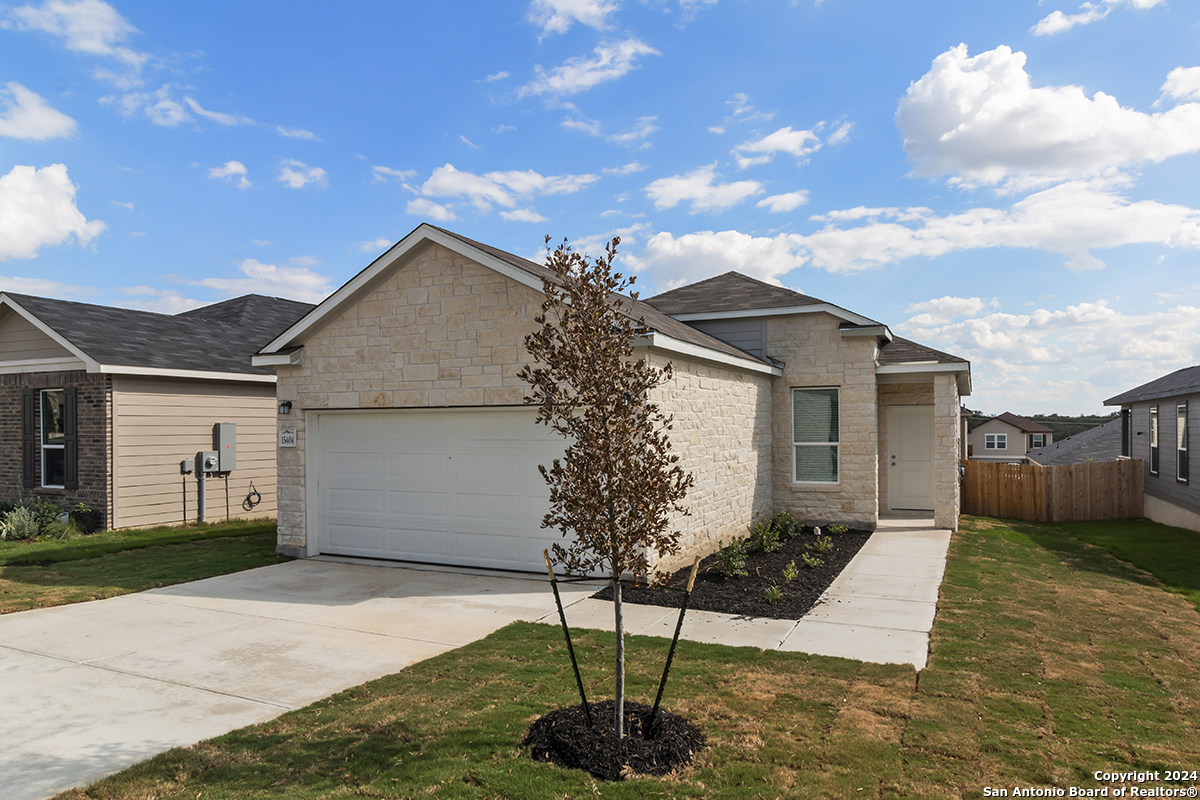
(43, 510)
(811, 561)
(731, 560)
(764, 537)
(772, 594)
(790, 572)
(62, 530)
(823, 544)
(20, 523)
(785, 526)
(837, 529)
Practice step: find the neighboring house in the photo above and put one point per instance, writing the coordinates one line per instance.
(1101, 443)
(1007, 438)
(99, 405)
(1157, 419)
(412, 441)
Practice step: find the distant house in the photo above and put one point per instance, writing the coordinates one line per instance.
(99, 405)
(1007, 438)
(1102, 443)
(1157, 419)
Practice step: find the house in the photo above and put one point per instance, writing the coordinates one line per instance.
(101, 404)
(1007, 438)
(1157, 419)
(409, 439)
(1101, 443)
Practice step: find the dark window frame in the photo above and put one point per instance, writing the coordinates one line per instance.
(1182, 433)
(1154, 440)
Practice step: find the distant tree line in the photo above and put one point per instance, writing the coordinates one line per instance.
(1063, 425)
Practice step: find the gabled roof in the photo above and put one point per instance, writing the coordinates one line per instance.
(1022, 424)
(736, 295)
(665, 332)
(906, 351)
(216, 340)
(1180, 382)
(1101, 443)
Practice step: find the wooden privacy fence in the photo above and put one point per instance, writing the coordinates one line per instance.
(1062, 493)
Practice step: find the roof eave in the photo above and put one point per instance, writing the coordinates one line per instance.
(667, 344)
(91, 364)
(815, 308)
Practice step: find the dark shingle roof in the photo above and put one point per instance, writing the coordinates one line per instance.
(656, 319)
(732, 291)
(1102, 443)
(217, 338)
(906, 351)
(1181, 381)
(1022, 424)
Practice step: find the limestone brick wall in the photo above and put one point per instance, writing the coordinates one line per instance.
(722, 434)
(816, 355)
(93, 400)
(441, 331)
(896, 394)
(947, 443)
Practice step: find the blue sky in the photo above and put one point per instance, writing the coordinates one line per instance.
(1012, 182)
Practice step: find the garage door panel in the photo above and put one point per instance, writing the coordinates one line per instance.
(365, 500)
(429, 503)
(453, 486)
(421, 468)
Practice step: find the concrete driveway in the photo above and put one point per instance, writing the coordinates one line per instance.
(89, 689)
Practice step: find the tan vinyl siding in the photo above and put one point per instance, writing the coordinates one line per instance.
(21, 340)
(158, 422)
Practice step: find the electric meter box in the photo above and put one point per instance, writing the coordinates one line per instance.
(225, 445)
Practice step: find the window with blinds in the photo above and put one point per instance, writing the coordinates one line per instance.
(815, 435)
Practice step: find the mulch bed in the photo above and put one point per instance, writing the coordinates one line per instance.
(744, 596)
(563, 737)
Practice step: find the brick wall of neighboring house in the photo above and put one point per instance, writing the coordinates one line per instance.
(93, 401)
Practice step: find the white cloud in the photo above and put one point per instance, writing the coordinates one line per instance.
(842, 133)
(261, 242)
(374, 245)
(27, 116)
(641, 129)
(86, 26)
(611, 60)
(800, 144)
(596, 243)
(217, 116)
(504, 128)
(1183, 83)
(943, 309)
(469, 143)
(557, 16)
(120, 204)
(505, 188)
(588, 126)
(229, 170)
(383, 174)
(1079, 355)
(159, 107)
(1057, 21)
(306, 261)
(778, 203)
(696, 256)
(42, 287)
(699, 188)
(980, 119)
(628, 169)
(296, 283)
(296, 174)
(421, 207)
(296, 133)
(37, 209)
(160, 301)
(499, 76)
(522, 215)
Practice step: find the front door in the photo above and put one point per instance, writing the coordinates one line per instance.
(910, 457)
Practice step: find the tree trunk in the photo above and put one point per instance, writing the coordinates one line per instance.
(619, 699)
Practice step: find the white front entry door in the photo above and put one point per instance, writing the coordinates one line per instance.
(443, 486)
(910, 457)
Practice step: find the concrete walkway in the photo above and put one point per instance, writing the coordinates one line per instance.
(879, 609)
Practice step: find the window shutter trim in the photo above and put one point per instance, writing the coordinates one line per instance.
(28, 440)
(70, 439)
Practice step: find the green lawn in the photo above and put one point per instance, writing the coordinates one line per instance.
(1050, 660)
(56, 572)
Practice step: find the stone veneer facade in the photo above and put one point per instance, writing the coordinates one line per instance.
(94, 421)
(444, 331)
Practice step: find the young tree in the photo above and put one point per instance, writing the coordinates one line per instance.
(618, 482)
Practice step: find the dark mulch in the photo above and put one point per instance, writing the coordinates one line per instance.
(563, 737)
(744, 596)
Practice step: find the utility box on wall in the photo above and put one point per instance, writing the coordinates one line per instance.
(225, 445)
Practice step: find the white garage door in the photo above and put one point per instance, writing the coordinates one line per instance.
(440, 486)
